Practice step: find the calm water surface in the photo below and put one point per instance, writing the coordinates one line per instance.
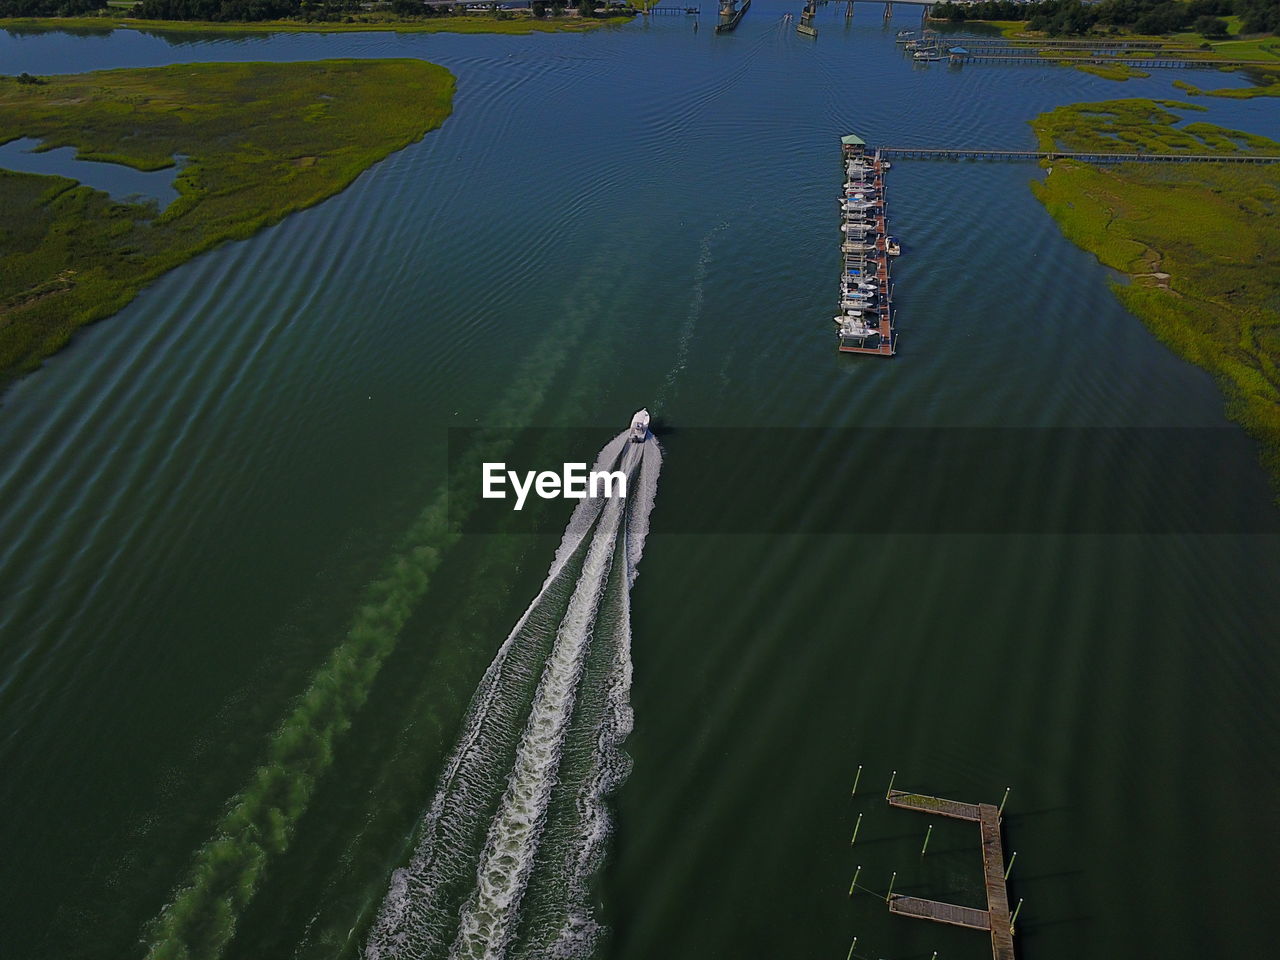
(195, 494)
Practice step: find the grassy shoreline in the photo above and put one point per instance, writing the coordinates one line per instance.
(262, 140)
(1263, 48)
(1199, 243)
(480, 24)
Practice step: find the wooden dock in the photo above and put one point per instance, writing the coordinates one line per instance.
(947, 153)
(1178, 63)
(731, 15)
(867, 259)
(1050, 44)
(995, 919)
(951, 913)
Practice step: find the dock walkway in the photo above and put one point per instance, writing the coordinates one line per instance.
(995, 918)
(947, 153)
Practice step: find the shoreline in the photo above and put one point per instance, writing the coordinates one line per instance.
(1164, 228)
(1238, 48)
(77, 255)
(517, 26)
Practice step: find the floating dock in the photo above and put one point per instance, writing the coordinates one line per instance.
(805, 26)
(995, 919)
(866, 320)
(731, 15)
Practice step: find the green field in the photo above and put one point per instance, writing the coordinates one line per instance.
(1199, 242)
(362, 24)
(262, 140)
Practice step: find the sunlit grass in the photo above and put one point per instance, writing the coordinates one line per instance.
(1201, 243)
(262, 140)
(1111, 71)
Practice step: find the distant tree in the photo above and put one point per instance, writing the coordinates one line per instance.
(1259, 16)
(539, 8)
(586, 8)
(1211, 28)
(49, 8)
(27, 79)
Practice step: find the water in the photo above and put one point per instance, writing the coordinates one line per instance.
(199, 496)
(115, 179)
(495, 841)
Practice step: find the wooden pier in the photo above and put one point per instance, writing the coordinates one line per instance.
(731, 15)
(867, 261)
(995, 919)
(1052, 59)
(947, 153)
(1048, 44)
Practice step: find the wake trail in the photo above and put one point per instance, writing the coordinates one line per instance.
(540, 745)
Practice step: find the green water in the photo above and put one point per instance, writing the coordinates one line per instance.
(201, 498)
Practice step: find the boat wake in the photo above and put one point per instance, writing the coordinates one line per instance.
(518, 823)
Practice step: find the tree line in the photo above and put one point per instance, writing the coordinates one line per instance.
(1059, 17)
(253, 10)
(49, 8)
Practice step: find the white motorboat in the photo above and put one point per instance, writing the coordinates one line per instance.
(640, 426)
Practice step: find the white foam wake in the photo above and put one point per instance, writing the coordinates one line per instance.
(463, 888)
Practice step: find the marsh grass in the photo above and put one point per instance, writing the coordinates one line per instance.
(1200, 243)
(1111, 71)
(262, 141)
(1266, 82)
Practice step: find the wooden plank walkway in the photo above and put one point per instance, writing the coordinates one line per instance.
(1169, 63)
(997, 892)
(995, 918)
(955, 809)
(1099, 44)
(951, 913)
(947, 153)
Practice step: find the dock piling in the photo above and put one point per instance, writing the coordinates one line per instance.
(889, 895)
(854, 883)
(1014, 919)
(856, 824)
(849, 956)
(927, 834)
(1009, 869)
(1003, 801)
(856, 777)
(891, 779)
